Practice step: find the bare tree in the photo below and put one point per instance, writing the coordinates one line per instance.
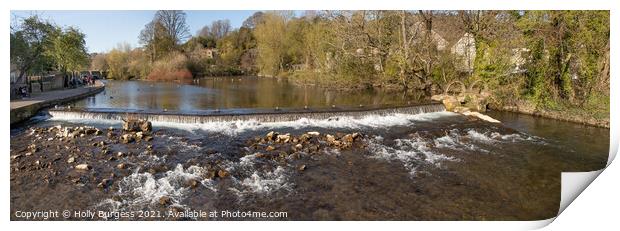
(204, 32)
(220, 28)
(217, 30)
(174, 23)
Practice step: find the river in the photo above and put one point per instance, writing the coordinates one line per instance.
(430, 166)
(236, 93)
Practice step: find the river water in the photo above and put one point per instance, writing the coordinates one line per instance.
(238, 93)
(431, 166)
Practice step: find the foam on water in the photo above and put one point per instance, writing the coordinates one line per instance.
(237, 126)
(473, 139)
(85, 120)
(480, 137)
(452, 140)
(253, 180)
(342, 122)
(410, 152)
(492, 137)
(265, 182)
(143, 190)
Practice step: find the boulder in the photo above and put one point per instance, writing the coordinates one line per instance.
(83, 167)
(146, 126)
(475, 102)
(211, 174)
(193, 183)
(133, 125)
(348, 138)
(461, 109)
(330, 138)
(304, 137)
(439, 97)
(90, 131)
(222, 173)
(121, 166)
(165, 200)
(33, 148)
(450, 103)
(271, 136)
(127, 138)
(283, 138)
(104, 183)
(298, 146)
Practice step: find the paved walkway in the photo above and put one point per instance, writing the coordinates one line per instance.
(24, 108)
(53, 95)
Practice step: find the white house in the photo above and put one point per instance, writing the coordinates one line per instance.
(465, 49)
(419, 30)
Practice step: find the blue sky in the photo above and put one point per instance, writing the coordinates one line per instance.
(105, 29)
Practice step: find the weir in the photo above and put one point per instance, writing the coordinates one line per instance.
(218, 116)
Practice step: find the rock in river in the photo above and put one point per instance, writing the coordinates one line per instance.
(165, 200)
(222, 173)
(82, 167)
(133, 125)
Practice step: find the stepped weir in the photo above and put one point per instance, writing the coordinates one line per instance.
(227, 116)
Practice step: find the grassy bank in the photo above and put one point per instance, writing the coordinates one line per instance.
(594, 112)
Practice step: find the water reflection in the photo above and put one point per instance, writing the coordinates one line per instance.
(236, 93)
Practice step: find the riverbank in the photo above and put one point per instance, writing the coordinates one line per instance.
(580, 116)
(25, 108)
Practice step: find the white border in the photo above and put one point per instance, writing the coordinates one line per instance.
(590, 208)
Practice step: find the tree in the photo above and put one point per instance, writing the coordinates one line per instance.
(28, 42)
(156, 40)
(252, 21)
(99, 62)
(220, 28)
(569, 51)
(270, 43)
(174, 24)
(118, 62)
(497, 41)
(232, 47)
(204, 32)
(68, 49)
(164, 33)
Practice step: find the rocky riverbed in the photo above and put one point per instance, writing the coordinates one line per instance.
(97, 160)
(436, 166)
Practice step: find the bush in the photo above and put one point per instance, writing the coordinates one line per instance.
(173, 67)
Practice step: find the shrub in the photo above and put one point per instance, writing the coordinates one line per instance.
(173, 67)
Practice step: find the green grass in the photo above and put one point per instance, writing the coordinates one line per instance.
(596, 106)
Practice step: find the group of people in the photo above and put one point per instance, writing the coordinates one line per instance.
(23, 91)
(73, 82)
(88, 80)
